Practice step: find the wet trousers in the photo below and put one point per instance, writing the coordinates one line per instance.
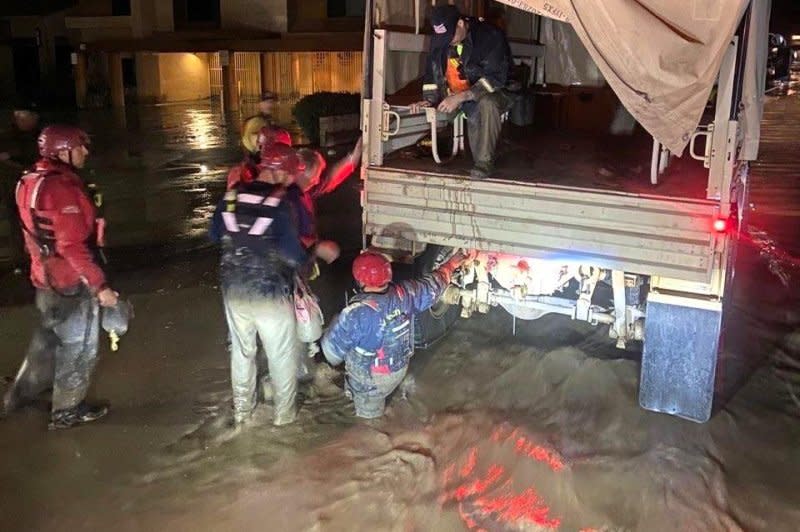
(484, 126)
(272, 320)
(369, 396)
(63, 351)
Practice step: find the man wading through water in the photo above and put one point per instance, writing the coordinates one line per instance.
(261, 255)
(60, 228)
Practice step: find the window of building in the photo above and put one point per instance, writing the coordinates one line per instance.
(345, 8)
(120, 8)
(202, 10)
(196, 14)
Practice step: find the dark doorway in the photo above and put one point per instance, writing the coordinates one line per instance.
(26, 67)
(129, 78)
(129, 72)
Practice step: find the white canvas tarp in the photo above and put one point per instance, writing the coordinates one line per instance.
(661, 57)
(567, 62)
(755, 74)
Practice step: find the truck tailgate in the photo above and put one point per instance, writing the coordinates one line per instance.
(642, 234)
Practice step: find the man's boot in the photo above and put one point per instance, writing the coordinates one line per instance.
(481, 170)
(78, 415)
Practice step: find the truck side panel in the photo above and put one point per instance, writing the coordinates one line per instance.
(631, 233)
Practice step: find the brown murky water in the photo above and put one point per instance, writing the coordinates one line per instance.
(538, 432)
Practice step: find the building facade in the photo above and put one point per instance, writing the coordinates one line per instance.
(156, 51)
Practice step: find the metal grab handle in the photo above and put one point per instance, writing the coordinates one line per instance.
(458, 135)
(654, 162)
(387, 115)
(706, 156)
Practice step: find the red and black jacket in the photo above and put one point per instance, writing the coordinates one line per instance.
(60, 225)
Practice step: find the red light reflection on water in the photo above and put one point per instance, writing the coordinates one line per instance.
(489, 495)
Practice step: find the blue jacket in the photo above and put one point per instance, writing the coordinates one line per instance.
(261, 249)
(374, 333)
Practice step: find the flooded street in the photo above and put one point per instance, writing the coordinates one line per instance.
(541, 431)
(161, 169)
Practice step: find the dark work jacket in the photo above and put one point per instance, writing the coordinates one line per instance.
(486, 62)
(261, 248)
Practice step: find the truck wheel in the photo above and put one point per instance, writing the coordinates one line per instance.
(431, 325)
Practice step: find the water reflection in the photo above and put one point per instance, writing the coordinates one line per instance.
(162, 168)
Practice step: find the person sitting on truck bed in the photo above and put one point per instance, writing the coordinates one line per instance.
(468, 67)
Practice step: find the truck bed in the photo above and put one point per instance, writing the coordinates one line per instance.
(557, 157)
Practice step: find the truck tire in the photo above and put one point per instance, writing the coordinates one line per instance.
(432, 325)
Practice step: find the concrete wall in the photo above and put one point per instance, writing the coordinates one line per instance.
(143, 17)
(264, 15)
(175, 77)
(164, 19)
(148, 86)
(93, 21)
(184, 77)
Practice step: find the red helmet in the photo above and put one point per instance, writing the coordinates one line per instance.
(56, 138)
(372, 269)
(269, 136)
(280, 157)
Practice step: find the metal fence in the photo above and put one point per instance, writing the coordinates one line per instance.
(215, 74)
(291, 75)
(248, 75)
(295, 74)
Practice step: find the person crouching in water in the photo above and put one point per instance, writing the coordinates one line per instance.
(261, 253)
(373, 335)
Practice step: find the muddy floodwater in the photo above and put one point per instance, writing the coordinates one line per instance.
(538, 431)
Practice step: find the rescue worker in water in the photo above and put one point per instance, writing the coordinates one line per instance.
(61, 230)
(261, 255)
(374, 336)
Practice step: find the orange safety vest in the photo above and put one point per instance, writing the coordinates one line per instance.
(454, 80)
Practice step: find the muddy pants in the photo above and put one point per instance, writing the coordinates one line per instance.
(484, 126)
(369, 396)
(63, 351)
(272, 320)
